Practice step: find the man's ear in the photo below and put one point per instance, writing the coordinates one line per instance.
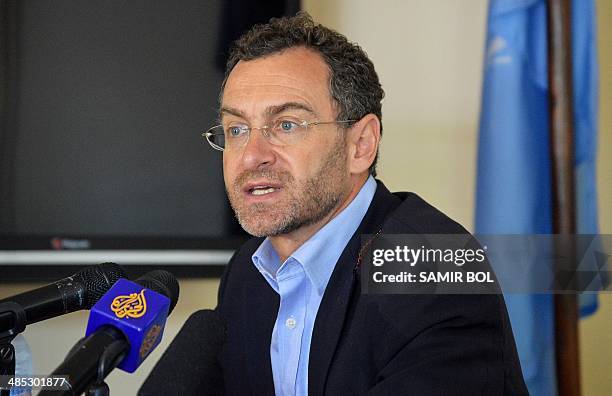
(363, 140)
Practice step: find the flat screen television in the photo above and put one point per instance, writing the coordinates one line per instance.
(102, 108)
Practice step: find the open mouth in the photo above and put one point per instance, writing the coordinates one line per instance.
(263, 190)
(260, 188)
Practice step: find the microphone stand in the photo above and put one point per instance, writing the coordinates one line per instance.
(89, 376)
(14, 313)
(107, 362)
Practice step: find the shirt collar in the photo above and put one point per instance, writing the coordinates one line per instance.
(319, 254)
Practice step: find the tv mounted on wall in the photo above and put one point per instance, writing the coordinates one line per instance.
(101, 155)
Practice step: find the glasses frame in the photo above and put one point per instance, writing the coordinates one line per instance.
(265, 130)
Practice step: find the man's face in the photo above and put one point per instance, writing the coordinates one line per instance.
(275, 190)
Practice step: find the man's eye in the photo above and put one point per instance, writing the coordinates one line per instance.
(235, 131)
(287, 126)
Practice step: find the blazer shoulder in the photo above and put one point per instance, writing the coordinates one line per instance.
(415, 215)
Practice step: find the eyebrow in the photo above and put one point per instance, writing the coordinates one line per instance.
(274, 110)
(231, 111)
(270, 111)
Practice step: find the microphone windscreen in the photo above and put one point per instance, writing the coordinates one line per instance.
(97, 279)
(162, 282)
(190, 365)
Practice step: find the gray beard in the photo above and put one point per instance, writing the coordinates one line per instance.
(316, 199)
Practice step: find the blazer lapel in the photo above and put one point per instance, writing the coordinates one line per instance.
(258, 325)
(339, 292)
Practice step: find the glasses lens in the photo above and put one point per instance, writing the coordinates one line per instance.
(287, 131)
(216, 137)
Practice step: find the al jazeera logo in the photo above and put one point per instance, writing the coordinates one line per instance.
(133, 305)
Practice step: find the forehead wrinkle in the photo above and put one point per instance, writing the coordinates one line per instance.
(291, 93)
(247, 87)
(272, 78)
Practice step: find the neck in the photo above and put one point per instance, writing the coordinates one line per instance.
(286, 244)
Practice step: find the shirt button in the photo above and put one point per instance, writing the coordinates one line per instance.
(291, 323)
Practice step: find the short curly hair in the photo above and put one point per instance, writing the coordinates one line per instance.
(353, 82)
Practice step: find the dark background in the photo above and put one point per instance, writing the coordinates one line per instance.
(102, 107)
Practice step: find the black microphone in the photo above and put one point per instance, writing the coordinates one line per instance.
(190, 365)
(124, 327)
(79, 291)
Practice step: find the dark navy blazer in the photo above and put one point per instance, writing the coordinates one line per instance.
(374, 344)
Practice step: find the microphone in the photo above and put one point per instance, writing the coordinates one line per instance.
(124, 326)
(190, 365)
(79, 291)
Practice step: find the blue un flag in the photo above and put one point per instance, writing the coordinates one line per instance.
(514, 165)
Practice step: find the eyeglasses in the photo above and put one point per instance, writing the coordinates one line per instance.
(282, 132)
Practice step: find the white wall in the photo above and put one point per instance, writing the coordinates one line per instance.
(428, 55)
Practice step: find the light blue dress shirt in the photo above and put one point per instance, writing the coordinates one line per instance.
(301, 281)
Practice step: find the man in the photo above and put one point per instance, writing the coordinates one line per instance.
(300, 128)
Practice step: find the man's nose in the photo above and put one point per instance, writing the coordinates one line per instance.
(258, 152)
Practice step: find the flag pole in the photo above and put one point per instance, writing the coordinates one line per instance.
(563, 188)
